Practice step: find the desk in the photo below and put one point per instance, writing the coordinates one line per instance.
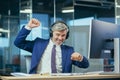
(74, 77)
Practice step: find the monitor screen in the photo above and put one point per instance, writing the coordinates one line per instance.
(101, 39)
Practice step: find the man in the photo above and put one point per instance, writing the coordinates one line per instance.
(41, 49)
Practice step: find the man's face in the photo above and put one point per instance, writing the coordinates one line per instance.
(59, 37)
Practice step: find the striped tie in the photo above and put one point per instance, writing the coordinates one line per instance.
(53, 60)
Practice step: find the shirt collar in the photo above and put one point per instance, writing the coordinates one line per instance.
(52, 43)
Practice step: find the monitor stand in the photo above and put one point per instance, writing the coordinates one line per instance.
(117, 55)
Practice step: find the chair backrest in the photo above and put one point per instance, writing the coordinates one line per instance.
(28, 62)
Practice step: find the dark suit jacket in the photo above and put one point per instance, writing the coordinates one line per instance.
(37, 47)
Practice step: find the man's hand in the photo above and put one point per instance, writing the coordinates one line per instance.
(76, 56)
(33, 23)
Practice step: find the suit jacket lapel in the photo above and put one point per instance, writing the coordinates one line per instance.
(41, 49)
(63, 57)
(37, 53)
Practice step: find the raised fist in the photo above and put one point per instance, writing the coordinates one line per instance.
(33, 23)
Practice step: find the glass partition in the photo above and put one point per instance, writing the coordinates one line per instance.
(9, 54)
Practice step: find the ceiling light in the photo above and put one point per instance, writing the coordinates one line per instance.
(68, 10)
(26, 11)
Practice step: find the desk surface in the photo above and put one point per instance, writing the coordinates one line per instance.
(73, 77)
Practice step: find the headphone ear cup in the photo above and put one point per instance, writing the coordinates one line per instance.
(67, 35)
(51, 34)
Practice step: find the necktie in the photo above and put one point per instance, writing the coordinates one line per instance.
(53, 60)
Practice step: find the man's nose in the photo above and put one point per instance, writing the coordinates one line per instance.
(60, 37)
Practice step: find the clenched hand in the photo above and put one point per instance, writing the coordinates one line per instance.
(76, 56)
(33, 23)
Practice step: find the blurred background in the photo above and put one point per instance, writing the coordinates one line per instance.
(76, 13)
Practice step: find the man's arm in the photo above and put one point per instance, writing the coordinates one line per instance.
(21, 41)
(79, 60)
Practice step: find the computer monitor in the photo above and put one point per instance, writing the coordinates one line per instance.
(101, 39)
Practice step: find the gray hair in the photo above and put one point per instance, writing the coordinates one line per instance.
(59, 27)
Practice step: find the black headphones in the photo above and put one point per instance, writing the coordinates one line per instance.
(57, 22)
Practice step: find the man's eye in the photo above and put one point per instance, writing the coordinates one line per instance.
(57, 34)
(63, 35)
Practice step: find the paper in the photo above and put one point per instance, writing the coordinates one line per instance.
(18, 74)
(65, 74)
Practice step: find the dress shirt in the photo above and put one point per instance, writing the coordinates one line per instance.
(44, 65)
